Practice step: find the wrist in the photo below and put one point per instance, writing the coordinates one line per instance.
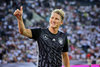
(19, 18)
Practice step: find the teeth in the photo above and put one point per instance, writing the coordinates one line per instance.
(53, 23)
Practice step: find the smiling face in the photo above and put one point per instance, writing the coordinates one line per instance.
(55, 20)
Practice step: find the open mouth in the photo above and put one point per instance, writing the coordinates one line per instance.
(53, 23)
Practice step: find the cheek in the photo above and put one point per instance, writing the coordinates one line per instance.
(50, 20)
(59, 23)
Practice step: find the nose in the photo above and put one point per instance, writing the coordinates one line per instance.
(53, 20)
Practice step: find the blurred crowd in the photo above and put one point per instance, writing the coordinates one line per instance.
(81, 24)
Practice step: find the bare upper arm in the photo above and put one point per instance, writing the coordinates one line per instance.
(27, 32)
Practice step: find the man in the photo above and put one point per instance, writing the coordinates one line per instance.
(53, 45)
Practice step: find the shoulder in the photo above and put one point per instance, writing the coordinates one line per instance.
(37, 29)
(63, 33)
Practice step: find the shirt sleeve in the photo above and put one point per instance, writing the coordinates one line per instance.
(36, 33)
(65, 48)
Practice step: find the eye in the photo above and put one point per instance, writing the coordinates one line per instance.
(57, 18)
(52, 17)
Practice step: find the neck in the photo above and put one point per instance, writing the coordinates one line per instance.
(53, 30)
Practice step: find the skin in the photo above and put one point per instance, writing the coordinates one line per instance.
(55, 22)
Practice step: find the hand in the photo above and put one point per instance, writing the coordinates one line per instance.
(18, 13)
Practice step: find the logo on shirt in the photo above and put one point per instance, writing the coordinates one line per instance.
(45, 36)
(60, 40)
(53, 39)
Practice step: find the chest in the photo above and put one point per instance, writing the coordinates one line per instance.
(52, 41)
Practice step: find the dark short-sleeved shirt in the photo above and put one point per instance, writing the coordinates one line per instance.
(50, 47)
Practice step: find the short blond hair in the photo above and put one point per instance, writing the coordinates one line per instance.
(60, 12)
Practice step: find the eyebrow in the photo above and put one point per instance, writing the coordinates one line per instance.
(60, 15)
(56, 17)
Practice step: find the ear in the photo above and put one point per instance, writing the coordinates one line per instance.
(61, 22)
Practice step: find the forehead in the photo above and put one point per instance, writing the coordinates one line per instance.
(55, 15)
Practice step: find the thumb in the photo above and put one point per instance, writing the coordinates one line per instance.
(21, 8)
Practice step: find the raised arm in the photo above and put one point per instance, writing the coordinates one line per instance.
(22, 30)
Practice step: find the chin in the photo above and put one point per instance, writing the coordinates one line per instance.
(53, 26)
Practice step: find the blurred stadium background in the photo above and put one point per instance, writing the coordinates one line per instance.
(81, 24)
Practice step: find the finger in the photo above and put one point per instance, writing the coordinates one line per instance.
(17, 12)
(21, 8)
(17, 15)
